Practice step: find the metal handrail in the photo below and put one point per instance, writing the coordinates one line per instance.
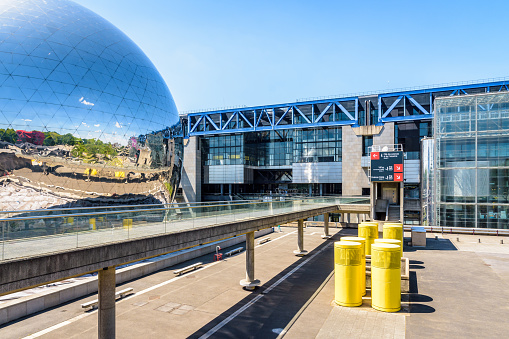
(460, 230)
(117, 206)
(131, 211)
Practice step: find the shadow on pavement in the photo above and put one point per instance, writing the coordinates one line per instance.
(434, 245)
(271, 312)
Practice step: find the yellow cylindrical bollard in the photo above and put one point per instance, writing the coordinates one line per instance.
(362, 271)
(347, 264)
(91, 222)
(368, 231)
(388, 241)
(127, 223)
(386, 277)
(394, 231)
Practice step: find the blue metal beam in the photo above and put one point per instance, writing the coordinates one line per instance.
(417, 104)
(344, 111)
(253, 124)
(245, 119)
(281, 118)
(409, 118)
(392, 106)
(323, 113)
(212, 122)
(229, 120)
(281, 127)
(302, 114)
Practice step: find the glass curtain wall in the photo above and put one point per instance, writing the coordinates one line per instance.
(273, 148)
(472, 159)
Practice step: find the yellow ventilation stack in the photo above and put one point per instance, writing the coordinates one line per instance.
(368, 231)
(347, 267)
(394, 231)
(386, 277)
(362, 271)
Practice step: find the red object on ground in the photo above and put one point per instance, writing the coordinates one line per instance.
(34, 137)
(218, 256)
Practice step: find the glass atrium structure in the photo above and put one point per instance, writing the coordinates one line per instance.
(472, 161)
(85, 117)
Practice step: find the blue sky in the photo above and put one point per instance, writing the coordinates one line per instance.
(229, 53)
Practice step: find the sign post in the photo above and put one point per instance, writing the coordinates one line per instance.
(387, 166)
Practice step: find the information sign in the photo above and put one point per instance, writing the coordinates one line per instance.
(386, 166)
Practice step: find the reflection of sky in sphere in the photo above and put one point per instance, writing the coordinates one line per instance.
(65, 69)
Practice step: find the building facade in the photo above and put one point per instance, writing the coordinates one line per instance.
(315, 147)
(471, 187)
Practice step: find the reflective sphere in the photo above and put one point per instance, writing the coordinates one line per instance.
(85, 118)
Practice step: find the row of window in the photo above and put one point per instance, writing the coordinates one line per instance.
(273, 148)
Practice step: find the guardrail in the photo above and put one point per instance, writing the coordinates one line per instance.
(462, 230)
(32, 234)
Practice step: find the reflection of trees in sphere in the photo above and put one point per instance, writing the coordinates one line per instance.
(85, 116)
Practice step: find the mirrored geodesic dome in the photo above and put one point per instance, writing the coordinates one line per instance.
(85, 118)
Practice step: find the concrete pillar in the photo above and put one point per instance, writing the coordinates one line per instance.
(321, 189)
(229, 189)
(191, 173)
(250, 282)
(326, 226)
(310, 190)
(300, 239)
(106, 316)
(342, 218)
(222, 189)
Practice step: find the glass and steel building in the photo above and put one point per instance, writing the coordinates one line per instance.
(321, 146)
(471, 185)
(85, 117)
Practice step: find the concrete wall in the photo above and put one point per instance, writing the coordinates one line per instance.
(355, 171)
(353, 177)
(320, 172)
(191, 173)
(386, 135)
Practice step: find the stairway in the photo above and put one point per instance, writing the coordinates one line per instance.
(393, 213)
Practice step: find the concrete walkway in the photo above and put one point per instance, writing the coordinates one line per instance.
(458, 290)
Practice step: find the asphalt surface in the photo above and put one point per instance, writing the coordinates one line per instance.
(459, 289)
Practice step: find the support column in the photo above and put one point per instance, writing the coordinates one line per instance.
(321, 189)
(401, 202)
(300, 239)
(310, 190)
(250, 282)
(106, 316)
(326, 226)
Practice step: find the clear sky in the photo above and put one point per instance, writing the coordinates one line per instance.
(216, 53)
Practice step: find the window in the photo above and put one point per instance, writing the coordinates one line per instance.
(367, 142)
